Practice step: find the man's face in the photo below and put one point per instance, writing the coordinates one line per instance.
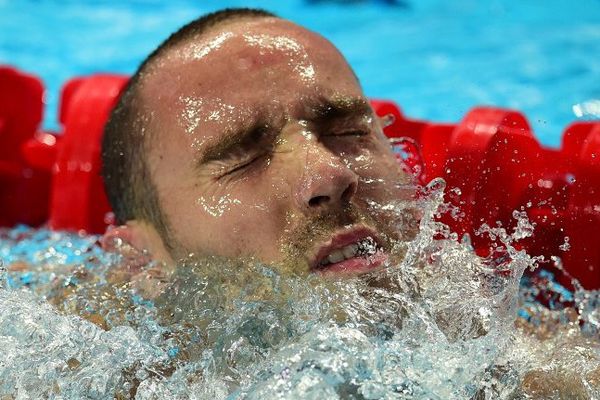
(264, 147)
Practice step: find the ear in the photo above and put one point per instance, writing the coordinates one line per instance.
(139, 235)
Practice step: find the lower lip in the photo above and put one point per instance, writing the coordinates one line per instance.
(355, 265)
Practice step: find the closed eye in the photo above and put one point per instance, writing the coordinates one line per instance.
(241, 166)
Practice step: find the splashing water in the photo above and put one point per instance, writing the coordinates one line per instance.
(76, 322)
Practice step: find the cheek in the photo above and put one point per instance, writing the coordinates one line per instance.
(243, 218)
(381, 177)
(372, 162)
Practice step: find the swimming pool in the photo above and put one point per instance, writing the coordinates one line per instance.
(447, 333)
(437, 59)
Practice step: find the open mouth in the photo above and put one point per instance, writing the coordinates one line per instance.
(355, 251)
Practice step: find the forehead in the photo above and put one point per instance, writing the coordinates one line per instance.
(250, 44)
(244, 57)
(236, 70)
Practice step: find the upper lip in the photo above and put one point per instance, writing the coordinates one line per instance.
(339, 240)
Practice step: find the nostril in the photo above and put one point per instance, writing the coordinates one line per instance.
(317, 201)
(348, 193)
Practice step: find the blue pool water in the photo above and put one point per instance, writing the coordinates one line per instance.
(73, 325)
(436, 58)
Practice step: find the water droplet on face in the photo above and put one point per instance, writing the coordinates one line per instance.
(217, 206)
(190, 115)
(201, 50)
(299, 60)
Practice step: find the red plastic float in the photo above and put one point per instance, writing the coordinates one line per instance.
(77, 199)
(24, 187)
(491, 157)
(498, 166)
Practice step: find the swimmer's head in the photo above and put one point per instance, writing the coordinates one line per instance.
(246, 136)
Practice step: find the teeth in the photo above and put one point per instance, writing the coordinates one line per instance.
(365, 247)
(350, 251)
(346, 252)
(336, 256)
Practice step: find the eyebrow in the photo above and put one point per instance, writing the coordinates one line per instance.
(339, 107)
(232, 138)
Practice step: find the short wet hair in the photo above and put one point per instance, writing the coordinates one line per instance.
(127, 178)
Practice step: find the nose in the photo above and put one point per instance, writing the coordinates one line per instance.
(326, 182)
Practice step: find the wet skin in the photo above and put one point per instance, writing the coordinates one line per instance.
(263, 146)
